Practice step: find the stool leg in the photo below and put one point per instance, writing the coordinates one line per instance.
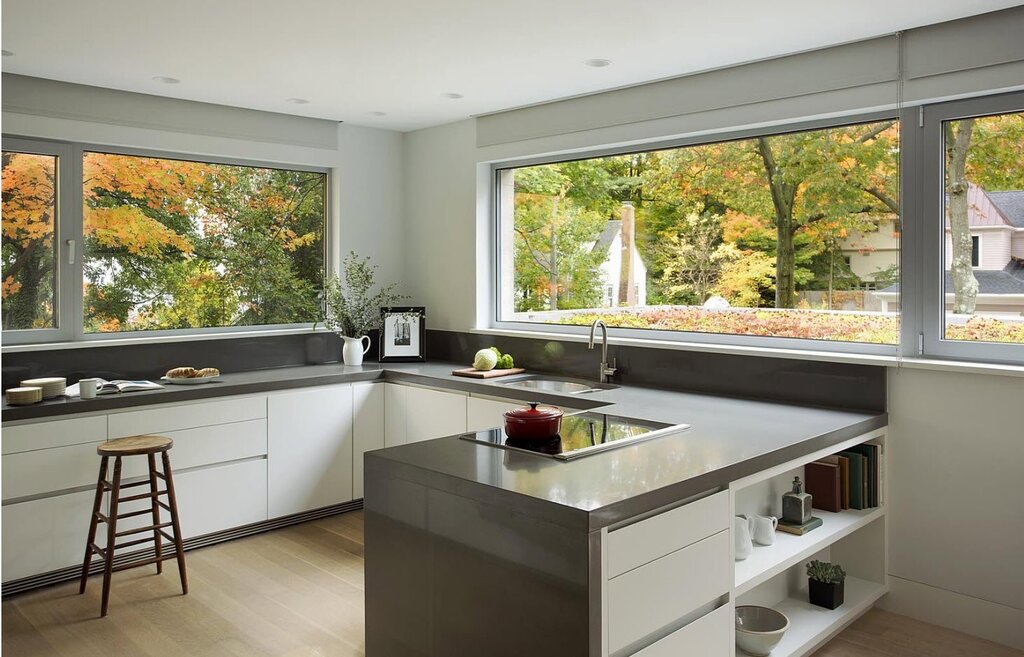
(157, 538)
(93, 521)
(173, 503)
(115, 494)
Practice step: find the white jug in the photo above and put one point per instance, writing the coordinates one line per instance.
(763, 529)
(353, 350)
(741, 530)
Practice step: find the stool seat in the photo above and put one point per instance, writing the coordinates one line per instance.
(135, 445)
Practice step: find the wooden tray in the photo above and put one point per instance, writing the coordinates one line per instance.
(474, 373)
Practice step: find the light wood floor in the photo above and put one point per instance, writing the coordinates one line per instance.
(298, 592)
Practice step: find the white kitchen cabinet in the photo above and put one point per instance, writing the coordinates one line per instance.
(47, 470)
(413, 414)
(433, 414)
(45, 534)
(218, 443)
(219, 497)
(309, 452)
(396, 400)
(175, 417)
(367, 428)
(53, 433)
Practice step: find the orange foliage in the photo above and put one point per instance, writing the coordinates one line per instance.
(28, 197)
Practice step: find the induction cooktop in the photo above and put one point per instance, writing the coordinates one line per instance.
(581, 435)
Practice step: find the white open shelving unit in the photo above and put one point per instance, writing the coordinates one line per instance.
(774, 575)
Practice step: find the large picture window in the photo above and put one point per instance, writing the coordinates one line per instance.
(172, 244)
(156, 244)
(793, 235)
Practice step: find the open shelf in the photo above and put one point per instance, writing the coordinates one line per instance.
(811, 626)
(766, 561)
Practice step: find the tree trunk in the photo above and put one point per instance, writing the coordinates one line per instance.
(553, 259)
(23, 307)
(783, 198)
(965, 285)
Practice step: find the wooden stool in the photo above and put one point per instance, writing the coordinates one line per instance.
(149, 446)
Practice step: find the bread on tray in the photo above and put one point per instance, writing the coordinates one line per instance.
(191, 373)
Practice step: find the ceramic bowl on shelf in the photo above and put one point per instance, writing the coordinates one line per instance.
(759, 629)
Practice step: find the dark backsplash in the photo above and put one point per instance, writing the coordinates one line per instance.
(814, 383)
(151, 360)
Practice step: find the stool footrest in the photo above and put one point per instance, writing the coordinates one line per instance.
(138, 541)
(143, 512)
(141, 496)
(134, 484)
(146, 562)
(150, 528)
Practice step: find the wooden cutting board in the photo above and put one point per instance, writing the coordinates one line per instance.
(474, 373)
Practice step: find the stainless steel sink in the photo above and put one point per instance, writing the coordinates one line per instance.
(556, 384)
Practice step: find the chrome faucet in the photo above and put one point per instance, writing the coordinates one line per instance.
(607, 371)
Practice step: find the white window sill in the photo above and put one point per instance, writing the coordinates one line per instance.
(157, 339)
(965, 367)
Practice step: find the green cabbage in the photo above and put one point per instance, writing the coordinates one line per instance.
(485, 359)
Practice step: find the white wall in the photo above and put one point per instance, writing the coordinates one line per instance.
(366, 173)
(956, 544)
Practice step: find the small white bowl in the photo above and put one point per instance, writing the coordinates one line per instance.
(759, 629)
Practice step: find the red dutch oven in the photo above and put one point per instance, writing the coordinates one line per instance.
(534, 423)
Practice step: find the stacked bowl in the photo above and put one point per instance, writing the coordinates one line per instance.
(52, 386)
(24, 395)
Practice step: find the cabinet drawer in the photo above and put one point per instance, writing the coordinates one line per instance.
(208, 445)
(655, 595)
(47, 470)
(647, 540)
(55, 433)
(708, 636)
(186, 416)
(44, 535)
(212, 499)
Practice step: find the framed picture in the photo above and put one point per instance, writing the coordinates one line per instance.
(403, 334)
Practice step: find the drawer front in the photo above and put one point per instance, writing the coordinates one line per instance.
(186, 416)
(212, 499)
(55, 433)
(44, 535)
(708, 636)
(647, 540)
(47, 470)
(208, 445)
(655, 595)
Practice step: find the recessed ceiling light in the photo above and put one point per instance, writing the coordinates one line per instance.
(7, 53)
(378, 113)
(452, 95)
(598, 63)
(297, 101)
(165, 79)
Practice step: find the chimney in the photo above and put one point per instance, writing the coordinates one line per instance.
(627, 275)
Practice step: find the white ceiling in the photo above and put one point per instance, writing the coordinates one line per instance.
(351, 59)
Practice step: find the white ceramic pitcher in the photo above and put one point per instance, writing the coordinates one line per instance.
(741, 535)
(353, 351)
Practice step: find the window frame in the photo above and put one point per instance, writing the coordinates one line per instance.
(932, 165)
(694, 337)
(66, 241)
(70, 217)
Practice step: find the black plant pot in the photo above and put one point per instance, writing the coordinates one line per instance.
(825, 595)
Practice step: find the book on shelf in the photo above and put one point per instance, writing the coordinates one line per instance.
(858, 480)
(823, 483)
(870, 453)
(798, 529)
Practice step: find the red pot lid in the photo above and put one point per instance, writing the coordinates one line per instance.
(534, 412)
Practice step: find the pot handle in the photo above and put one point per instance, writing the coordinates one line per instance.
(367, 338)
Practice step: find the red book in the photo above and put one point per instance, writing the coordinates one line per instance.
(823, 483)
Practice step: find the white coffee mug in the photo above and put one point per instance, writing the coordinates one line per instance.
(764, 529)
(87, 388)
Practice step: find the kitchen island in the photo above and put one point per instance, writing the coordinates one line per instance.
(472, 549)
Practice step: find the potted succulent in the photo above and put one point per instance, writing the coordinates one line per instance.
(825, 584)
(350, 310)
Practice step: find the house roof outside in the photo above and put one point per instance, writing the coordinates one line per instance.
(1010, 205)
(1009, 280)
(607, 236)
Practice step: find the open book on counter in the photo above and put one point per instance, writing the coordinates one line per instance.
(116, 386)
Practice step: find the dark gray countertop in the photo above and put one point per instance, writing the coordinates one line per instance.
(728, 439)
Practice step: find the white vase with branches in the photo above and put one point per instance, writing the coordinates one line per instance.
(350, 310)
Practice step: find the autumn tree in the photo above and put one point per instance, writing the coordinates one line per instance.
(29, 213)
(965, 285)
